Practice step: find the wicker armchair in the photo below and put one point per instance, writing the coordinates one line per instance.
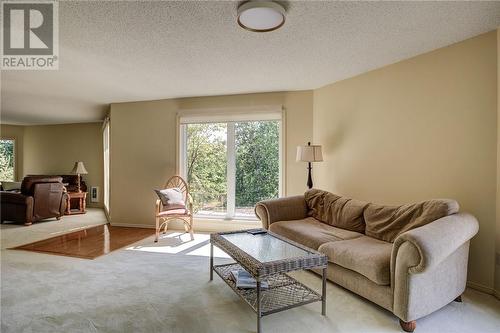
(164, 214)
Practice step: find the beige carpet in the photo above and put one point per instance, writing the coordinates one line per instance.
(164, 287)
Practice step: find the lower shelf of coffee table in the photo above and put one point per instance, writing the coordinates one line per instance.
(284, 292)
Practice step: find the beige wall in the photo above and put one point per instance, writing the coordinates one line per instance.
(53, 149)
(497, 254)
(17, 133)
(422, 128)
(143, 146)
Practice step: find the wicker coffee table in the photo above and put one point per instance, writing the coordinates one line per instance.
(268, 257)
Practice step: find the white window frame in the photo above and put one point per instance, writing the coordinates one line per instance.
(230, 116)
(106, 136)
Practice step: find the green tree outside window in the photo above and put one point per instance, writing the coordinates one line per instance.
(257, 165)
(6, 160)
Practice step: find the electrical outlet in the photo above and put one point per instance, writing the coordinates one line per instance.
(94, 194)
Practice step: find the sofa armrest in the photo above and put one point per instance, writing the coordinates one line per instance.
(16, 207)
(437, 240)
(429, 265)
(282, 209)
(15, 198)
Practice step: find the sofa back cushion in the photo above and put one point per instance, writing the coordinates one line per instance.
(388, 222)
(335, 210)
(71, 183)
(27, 185)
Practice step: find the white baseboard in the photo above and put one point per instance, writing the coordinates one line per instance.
(483, 288)
(201, 225)
(148, 226)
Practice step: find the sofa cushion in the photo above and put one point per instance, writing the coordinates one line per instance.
(364, 255)
(27, 185)
(71, 183)
(388, 222)
(311, 232)
(337, 211)
(15, 198)
(11, 186)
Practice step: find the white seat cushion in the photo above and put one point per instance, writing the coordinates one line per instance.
(367, 256)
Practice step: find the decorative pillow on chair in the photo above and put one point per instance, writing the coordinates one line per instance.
(171, 198)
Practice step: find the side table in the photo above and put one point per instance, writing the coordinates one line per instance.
(80, 209)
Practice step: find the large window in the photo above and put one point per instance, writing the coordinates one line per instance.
(7, 160)
(231, 165)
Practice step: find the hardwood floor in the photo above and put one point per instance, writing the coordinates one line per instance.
(89, 243)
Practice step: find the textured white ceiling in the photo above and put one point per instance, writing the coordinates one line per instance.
(129, 51)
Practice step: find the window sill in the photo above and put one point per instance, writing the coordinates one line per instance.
(214, 224)
(221, 219)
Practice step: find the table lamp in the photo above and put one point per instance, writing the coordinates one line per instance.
(79, 169)
(309, 154)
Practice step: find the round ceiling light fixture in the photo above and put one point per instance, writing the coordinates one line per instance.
(261, 16)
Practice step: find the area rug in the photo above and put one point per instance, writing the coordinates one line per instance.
(89, 243)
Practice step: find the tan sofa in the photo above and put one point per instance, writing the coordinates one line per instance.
(410, 259)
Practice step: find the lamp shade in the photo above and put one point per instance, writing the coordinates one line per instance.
(79, 168)
(310, 153)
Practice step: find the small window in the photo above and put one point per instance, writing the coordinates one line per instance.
(7, 160)
(231, 165)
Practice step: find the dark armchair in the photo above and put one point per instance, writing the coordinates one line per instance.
(41, 197)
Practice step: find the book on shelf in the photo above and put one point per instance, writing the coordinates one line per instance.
(245, 280)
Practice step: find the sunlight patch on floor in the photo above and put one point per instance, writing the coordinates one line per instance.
(62, 232)
(181, 243)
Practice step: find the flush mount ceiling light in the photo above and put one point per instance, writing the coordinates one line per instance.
(261, 16)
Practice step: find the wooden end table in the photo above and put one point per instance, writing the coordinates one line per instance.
(81, 196)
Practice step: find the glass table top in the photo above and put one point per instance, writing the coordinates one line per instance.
(265, 247)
